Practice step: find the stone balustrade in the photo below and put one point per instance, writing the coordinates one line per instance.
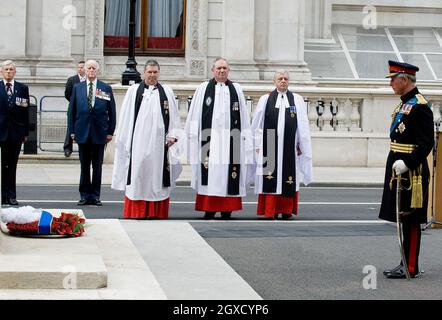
(331, 111)
(349, 126)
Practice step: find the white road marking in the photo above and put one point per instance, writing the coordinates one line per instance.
(193, 202)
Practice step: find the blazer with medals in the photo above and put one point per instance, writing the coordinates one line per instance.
(96, 123)
(14, 113)
(412, 138)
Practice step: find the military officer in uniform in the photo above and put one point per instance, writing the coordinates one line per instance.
(412, 139)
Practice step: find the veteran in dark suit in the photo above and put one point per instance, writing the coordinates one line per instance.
(412, 139)
(72, 81)
(14, 128)
(91, 123)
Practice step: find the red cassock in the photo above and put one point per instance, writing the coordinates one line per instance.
(217, 204)
(141, 209)
(271, 204)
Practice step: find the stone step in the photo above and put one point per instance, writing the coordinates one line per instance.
(105, 247)
(51, 263)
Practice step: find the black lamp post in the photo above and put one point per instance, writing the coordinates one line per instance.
(131, 73)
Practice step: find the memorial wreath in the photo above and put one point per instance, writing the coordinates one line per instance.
(29, 221)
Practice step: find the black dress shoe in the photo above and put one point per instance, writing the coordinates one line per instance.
(13, 202)
(82, 202)
(96, 202)
(226, 215)
(400, 274)
(285, 216)
(387, 271)
(209, 215)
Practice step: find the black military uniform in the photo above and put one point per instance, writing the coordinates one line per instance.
(412, 139)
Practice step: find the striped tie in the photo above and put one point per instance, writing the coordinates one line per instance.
(90, 95)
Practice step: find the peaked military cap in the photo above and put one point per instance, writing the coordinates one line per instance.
(395, 67)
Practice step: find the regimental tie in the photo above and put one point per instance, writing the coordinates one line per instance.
(9, 93)
(9, 88)
(90, 95)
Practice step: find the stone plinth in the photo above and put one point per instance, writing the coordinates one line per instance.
(128, 277)
(50, 263)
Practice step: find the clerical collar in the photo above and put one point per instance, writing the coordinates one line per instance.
(282, 92)
(226, 83)
(147, 86)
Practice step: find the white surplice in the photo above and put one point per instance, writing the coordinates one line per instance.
(220, 141)
(148, 142)
(304, 170)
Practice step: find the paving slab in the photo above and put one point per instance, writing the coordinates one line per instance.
(184, 264)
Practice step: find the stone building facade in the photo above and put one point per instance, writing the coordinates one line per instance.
(336, 52)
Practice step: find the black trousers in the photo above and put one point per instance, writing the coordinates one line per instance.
(90, 154)
(10, 153)
(412, 241)
(68, 143)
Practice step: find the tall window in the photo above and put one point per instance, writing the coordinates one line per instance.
(159, 27)
(356, 53)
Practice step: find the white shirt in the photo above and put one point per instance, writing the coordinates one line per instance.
(12, 85)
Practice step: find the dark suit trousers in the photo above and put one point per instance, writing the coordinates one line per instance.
(68, 143)
(90, 154)
(10, 153)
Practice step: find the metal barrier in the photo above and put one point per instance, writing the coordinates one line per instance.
(30, 146)
(52, 123)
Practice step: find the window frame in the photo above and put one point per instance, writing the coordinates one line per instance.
(144, 50)
(338, 38)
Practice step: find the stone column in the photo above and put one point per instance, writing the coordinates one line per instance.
(94, 33)
(48, 38)
(281, 43)
(318, 19)
(56, 28)
(196, 39)
(13, 24)
(238, 38)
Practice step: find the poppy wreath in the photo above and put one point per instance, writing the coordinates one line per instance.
(30, 221)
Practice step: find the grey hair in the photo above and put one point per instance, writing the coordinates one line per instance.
(152, 63)
(411, 77)
(7, 63)
(218, 59)
(91, 61)
(281, 71)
